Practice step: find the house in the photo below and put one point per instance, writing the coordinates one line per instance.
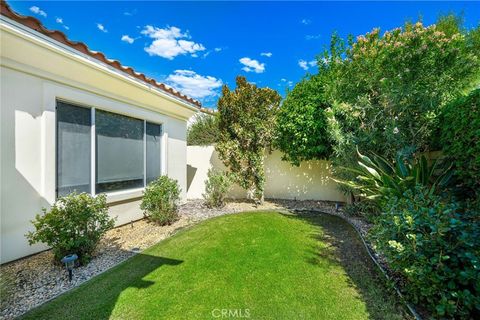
(71, 119)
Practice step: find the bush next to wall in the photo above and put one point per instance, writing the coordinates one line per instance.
(160, 200)
(74, 224)
(216, 188)
(460, 139)
(436, 247)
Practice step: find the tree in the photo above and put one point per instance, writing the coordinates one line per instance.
(389, 89)
(203, 131)
(301, 132)
(246, 118)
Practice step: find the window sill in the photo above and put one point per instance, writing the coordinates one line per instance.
(124, 195)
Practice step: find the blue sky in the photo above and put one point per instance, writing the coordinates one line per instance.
(198, 46)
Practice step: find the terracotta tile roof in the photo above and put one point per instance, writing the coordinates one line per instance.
(59, 36)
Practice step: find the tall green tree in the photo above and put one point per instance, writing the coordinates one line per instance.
(246, 118)
(301, 132)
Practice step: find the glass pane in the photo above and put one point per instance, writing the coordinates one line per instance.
(119, 152)
(73, 149)
(153, 151)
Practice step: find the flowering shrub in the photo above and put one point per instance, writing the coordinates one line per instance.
(391, 87)
(74, 224)
(160, 200)
(436, 247)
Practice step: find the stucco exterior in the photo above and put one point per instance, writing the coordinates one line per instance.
(310, 181)
(35, 72)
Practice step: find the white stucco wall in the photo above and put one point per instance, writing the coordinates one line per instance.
(28, 154)
(34, 73)
(310, 181)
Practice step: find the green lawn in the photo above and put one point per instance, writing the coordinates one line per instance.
(258, 265)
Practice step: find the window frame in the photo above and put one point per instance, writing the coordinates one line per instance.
(93, 147)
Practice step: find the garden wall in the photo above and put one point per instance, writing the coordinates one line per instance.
(310, 181)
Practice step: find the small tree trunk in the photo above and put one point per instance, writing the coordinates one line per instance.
(262, 199)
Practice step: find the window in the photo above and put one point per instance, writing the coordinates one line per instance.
(126, 153)
(153, 151)
(73, 149)
(119, 152)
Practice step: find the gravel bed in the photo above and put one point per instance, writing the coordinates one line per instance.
(31, 281)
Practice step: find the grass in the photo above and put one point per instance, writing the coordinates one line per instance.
(257, 265)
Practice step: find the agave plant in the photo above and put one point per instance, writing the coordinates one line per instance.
(378, 179)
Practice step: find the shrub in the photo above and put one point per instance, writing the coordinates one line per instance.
(74, 224)
(160, 200)
(216, 188)
(436, 247)
(460, 138)
(378, 179)
(203, 131)
(391, 86)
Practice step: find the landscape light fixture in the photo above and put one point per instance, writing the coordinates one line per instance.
(69, 262)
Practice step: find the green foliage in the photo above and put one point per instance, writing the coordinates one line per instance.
(203, 131)
(363, 208)
(160, 200)
(460, 138)
(216, 188)
(436, 247)
(388, 90)
(378, 179)
(246, 121)
(302, 123)
(74, 224)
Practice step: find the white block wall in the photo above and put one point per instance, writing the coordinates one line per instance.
(310, 181)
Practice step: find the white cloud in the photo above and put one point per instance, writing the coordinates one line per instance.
(306, 21)
(170, 42)
(127, 38)
(312, 36)
(218, 49)
(305, 65)
(60, 21)
(252, 65)
(101, 27)
(38, 11)
(266, 54)
(194, 85)
(130, 13)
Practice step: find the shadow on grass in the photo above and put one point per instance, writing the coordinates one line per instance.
(339, 244)
(100, 294)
